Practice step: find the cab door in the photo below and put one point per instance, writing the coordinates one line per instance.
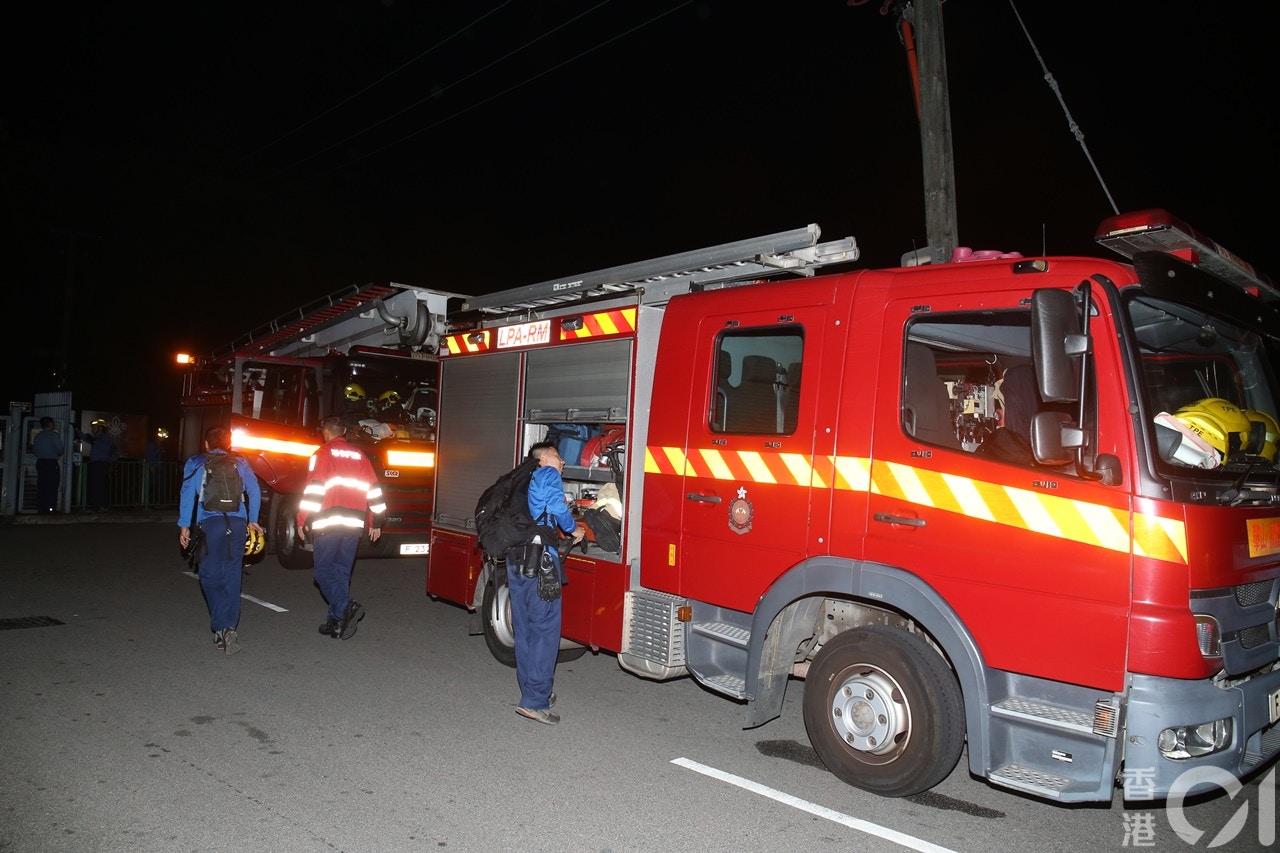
(1033, 558)
(745, 472)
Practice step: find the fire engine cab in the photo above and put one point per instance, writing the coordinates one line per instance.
(367, 353)
(1030, 504)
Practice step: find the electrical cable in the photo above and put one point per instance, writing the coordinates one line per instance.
(1071, 122)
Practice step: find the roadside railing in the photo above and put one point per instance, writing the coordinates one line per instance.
(133, 484)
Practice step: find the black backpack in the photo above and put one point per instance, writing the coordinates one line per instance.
(221, 490)
(502, 513)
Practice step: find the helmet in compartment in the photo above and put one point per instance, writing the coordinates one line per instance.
(354, 392)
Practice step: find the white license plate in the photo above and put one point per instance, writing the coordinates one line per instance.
(414, 548)
(1275, 705)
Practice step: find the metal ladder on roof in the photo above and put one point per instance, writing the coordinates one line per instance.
(655, 281)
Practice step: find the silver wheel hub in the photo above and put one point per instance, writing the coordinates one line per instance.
(868, 711)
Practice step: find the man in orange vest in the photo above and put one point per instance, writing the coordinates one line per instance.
(341, 497)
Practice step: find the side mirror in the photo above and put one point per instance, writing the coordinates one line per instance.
(1053, 438)
(1056, 341)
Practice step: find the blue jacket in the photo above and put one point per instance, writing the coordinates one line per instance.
(48, 444)
(193, 477)
(103, 448)
(546, 493)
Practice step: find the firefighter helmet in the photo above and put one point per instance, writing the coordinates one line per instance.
(1212, 430)
(1266, 445)
(353, 392)
(254, 542)
(389, 398)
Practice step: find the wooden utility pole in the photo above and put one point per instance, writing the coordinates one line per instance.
(941, 229)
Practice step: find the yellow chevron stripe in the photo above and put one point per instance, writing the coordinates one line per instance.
(1063, 518)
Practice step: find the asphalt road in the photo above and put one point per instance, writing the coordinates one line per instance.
(121, 729)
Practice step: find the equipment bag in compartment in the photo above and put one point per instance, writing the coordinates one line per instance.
(569, 440)
(604, 519)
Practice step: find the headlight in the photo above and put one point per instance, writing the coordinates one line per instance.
(1194, 741)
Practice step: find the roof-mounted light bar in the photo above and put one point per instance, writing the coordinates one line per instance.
(1157, 230)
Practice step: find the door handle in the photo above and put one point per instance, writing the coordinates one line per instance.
(889, 518)
(709, 499)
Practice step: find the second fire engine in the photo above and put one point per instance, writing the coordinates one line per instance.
(368, 353)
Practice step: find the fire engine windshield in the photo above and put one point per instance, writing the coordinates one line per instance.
(390, 396)
(1209, 389)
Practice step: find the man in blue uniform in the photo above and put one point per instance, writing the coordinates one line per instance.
(534, 622)
(48, 448)
(222, 560)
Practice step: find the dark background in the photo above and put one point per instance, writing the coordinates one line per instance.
(175, 175)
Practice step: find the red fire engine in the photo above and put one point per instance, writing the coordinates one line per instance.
(367, 353)
(1006, 502)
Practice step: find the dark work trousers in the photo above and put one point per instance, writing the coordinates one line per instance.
(334, 555)
(221, 568)
(48, 472)
(99, 489)
(535, 625)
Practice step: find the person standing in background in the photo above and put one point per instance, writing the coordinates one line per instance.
(155, 462)
(102, 453)
(48, 448)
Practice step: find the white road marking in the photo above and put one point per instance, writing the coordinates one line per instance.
(814, 809)
(267, 604)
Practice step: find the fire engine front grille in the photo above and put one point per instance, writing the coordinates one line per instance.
(1251, 638)
(653, 632)
(1249, 594)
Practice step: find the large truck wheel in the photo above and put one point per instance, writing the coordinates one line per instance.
(884, 711)
(495, 608)
(289, 550)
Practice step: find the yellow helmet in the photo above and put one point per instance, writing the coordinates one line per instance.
(254, 542)
(1219, 423)
(1266, 444)
(389, 398)
(353, 392)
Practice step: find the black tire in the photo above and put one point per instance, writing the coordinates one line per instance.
(289, 550)
(495, 611)
(884, 711)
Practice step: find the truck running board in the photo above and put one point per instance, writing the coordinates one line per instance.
(1055, 750)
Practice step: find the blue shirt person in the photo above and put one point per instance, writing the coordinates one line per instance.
(222, 554)
(48, 449)
(535, 623)
(102, 452)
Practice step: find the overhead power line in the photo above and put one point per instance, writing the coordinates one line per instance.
(503, 92)
(255, 152)
(438, 92)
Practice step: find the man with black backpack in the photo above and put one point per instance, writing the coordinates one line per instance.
(535, 620)
(214, 487)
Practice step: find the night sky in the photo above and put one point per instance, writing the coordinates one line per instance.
(175, 175)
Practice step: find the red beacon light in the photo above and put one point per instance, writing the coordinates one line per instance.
(1157, 230)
